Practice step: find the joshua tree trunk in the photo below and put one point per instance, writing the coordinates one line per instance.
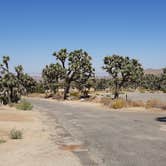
(116, 93)
(66, 91)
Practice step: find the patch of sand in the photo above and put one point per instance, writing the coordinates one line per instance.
(37, 147)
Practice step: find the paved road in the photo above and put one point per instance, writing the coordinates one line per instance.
(111, 138)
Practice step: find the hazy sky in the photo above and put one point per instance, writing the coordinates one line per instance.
(30, 30)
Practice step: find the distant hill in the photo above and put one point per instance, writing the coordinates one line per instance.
(105, 75)
(37, 78)
(153, 71)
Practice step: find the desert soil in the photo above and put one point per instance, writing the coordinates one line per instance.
(38, 147)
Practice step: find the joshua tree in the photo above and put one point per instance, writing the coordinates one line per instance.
(76, 64)
(26, 82)
(9, 84)
(102, 83)
(151, 82)
(52, 75)
(163, 80)
(122, 70)
(12, 86)
(84, 85)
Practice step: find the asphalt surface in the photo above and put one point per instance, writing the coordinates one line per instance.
(110, 138)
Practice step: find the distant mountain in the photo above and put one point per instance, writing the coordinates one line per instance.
(153, 71)
(38, 77)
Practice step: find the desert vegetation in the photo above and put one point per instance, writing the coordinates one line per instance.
(73, 76)
(13, 85)
(71, 68)
(15, 134)
(24, 105)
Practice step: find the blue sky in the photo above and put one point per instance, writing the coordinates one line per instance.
(31, 30)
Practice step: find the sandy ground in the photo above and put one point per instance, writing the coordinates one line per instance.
(37, 148)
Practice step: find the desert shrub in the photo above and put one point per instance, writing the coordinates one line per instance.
(24, 105)
(11, 105)
(164, 90)
(15, 134)
(152, 103)
(75, 94)
(130, 90)
(118, 103)
(155, 104)
(105, 100)
(135, 103)
(91, 98)
(58, 96)
(2, 141)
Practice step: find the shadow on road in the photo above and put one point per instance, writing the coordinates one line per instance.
(161, 119)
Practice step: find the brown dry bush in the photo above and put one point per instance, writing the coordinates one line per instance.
(135, 103)
(121, 103)
(58, 96)
(153, 103)
(118, 103)
(75, 95)
(106, 101)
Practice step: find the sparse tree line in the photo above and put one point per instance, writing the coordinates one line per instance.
(75, 70)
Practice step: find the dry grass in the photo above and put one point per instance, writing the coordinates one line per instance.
(155, 104)
(106, 101)
(42, 95)
(121, 103)
(135, 103)
(141, 90)
(58, 96)
(118, 104)
(24, 105)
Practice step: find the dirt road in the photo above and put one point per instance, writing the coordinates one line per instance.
(37, 147)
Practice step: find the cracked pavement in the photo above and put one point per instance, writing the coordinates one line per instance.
(109, 138)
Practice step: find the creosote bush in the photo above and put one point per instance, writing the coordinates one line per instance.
(15, 134)
(24, 105)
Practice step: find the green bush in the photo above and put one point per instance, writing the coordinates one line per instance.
(24, 105)
(2, 141)
(15, 134)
